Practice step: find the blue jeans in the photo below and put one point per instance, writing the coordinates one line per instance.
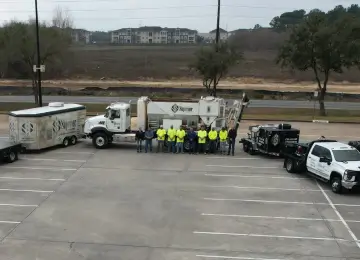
(171, 146)
(192, 147)
(180, 147)
(139, 145)
(148, 144)
(231, 146)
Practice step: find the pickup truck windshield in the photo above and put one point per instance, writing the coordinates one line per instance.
(346, 155)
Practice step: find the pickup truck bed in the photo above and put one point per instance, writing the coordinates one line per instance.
(9, 151)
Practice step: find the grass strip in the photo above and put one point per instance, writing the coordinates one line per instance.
(281, 114)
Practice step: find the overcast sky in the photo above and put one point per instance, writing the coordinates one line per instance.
(200, 14)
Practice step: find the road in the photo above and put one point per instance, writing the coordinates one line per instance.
(253, 103)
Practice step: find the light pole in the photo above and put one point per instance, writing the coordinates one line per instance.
(38, 72)
(218, 25)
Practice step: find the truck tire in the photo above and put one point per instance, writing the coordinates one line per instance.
(290, 165)
(336, 186)
(245, 147)
(186, 145)
(73, 140)
(100, 140)
(66, 142)
(251, 149)
(12, 157)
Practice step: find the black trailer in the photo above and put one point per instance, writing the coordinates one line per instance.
(9, 151)
(269, 139)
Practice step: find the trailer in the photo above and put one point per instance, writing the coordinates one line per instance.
(9, 151)
(48, 126)
(115, 124)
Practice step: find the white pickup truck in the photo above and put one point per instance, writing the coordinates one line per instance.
(327, 160)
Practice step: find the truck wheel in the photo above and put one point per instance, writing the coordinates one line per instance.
(251, 149)
(73, 140)
(336, 186)
(66, 142)
(245, 148)
(13, 156)
(289, 165)
(186, 145)
(100, 141)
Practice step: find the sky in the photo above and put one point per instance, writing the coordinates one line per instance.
(106, 15)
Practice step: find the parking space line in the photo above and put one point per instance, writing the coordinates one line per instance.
(233, 158)
(282, 202)
(90, 153)
(51, 160)
(273, 236)
(9, 222)
(39, 168)
(271, 217)
(253, 176)
(262, 188)
(36, 191)
(339, 215)
(236, 257)
(18, 205)
(37, 179)
(243, 166)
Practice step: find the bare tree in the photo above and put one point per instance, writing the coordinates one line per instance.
(62, 18)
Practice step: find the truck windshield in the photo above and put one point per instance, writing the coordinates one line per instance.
(346, 155)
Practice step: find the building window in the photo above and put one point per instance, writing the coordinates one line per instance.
(128, 32)
(150, 40)
(150, 34)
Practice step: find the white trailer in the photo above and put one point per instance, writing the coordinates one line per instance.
(115, 124)
(43, 127)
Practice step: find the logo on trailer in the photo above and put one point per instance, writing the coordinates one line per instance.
(27, 128)
(175, 108)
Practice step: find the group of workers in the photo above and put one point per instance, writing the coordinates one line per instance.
(197, 140)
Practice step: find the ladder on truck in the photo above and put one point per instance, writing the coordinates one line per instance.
(236, 111)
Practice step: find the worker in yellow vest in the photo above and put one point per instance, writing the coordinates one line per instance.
(223, 135)
(212, 137)
(180, 134)
(171, 133)
(202, 134)
(160, 133)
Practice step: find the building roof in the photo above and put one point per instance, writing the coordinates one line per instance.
(155, 29)
(221, 31)
(46, 110)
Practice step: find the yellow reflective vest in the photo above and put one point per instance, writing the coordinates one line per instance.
(223, 135)
(161, 134)
(171, 135)
(202, 136)
(180, 136)
(212, 135)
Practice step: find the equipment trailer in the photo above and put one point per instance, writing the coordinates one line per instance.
(9, 151)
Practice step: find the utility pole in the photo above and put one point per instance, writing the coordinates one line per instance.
(218, 25)
(38, 66)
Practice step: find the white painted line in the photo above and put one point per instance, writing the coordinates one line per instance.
(51, 160)
(270, 217)
(339, 215)
(236, 257)
(261, 188)
(254, 176)
(273, 236)
(18, 205)
(244, 166)
(328, 136)
(73, 153)
(36, 191)
(9, 222)
(281, 202)
(38, 168)
(37, 179)
(233, 158)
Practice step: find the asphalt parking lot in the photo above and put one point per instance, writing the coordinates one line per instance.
(82, 203)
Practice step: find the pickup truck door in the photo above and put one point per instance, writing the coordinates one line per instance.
(312, 161)
(324, 167)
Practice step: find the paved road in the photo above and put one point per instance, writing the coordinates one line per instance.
(253, 103)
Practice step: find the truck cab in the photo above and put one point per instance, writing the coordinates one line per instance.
(333, 162)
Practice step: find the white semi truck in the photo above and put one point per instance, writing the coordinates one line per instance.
(115, 124)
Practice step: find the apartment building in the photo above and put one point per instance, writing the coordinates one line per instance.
(80, 36)
(210, 37)
(153, 34)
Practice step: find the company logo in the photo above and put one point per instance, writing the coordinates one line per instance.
(175, 108)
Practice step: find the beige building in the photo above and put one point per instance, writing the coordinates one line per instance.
(80, 36)
(153, 34)
(210, 37)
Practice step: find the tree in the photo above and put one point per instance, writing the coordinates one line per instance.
(18, 39)
(62, 18)
(287, 20)
(213, 63)
(323, 45)
(257, 26)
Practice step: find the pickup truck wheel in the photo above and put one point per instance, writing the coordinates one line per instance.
(186, 145)
(289, 165)
(251, 150)
(66, 142)
(13, 156)
(336, 186)
(73, 140)
(100, 141)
